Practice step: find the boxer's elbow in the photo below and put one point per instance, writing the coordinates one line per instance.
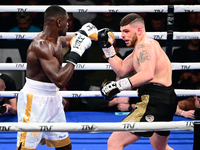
(149, 76)
(121, 73)
(60, 84)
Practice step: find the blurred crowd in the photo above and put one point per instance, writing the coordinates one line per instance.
(187, 51)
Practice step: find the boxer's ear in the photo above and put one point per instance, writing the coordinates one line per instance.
(58, 22)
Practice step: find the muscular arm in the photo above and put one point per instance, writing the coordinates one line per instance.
(66, 39)
(51, 66)
(142, 59)
(122, 67)
(146, 65)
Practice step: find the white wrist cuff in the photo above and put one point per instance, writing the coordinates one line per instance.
(71, 62)
(109, 52)
(124, 84)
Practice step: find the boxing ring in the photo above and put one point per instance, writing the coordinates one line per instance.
(90, 130)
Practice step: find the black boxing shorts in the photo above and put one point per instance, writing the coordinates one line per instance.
(156, 103)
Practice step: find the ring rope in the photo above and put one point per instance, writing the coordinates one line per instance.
(97, 66)
(97, 127)
(79, 94)
(153, 35)
(100, 9)
(88, 8)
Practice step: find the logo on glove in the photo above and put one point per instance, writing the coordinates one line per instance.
(78, 42)
(109, 87)
(90, 27)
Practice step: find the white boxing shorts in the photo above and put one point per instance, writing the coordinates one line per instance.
(39, 102)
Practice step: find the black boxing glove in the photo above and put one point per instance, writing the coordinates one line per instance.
(106, 40)
(111, 88)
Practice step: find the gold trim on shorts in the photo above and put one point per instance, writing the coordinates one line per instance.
(55, 143)
(26, 119)
(139, 112)
(24, 148)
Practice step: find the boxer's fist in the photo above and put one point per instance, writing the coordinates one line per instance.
(89, 30)
(109, 90)
(106, 40)
(78, 44)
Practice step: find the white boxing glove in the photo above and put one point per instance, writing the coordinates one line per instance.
(78, 44)
(89, 30)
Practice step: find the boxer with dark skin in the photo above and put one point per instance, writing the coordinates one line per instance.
(44, 74)
(45, 55)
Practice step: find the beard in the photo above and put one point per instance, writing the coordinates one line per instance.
(133, 41)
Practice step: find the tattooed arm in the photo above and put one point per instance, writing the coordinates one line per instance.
(122, 67)
(144, 62)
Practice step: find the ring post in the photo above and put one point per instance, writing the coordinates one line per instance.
(196, 144)
(170, 27)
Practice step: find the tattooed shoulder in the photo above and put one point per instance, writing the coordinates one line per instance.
(144, 55)
(140, 46)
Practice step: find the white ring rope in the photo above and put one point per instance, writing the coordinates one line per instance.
(186, 8)
(79, 94)
(99, 8)
(97, 66)
(97, 127)
(100, 127)
(87, 8)
(153, 35)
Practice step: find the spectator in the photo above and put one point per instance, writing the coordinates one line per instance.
(187, 79)
(10, 86)
(124, 103)
(187, 107)
(10, 105)
(186, 21)
(157, 23)
(73, 23)
(36, 17)
(24, 22)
